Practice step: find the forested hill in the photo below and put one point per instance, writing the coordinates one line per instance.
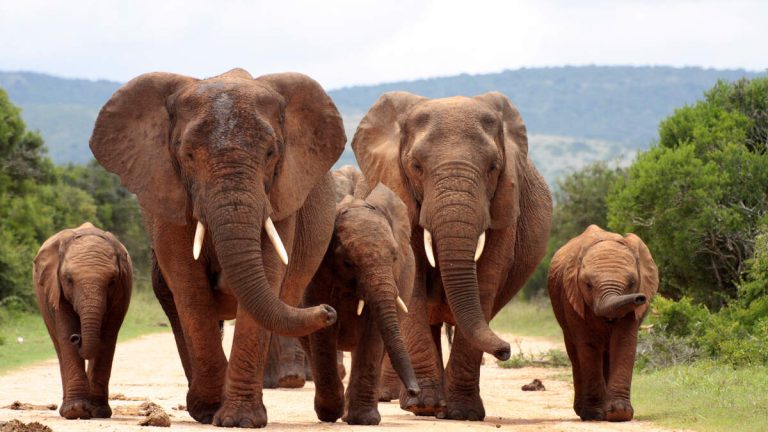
(575, 115)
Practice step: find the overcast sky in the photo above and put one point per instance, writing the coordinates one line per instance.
(349, 42)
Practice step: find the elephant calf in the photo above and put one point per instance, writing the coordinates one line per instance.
(365, 274)
(83, 279)
(600, 284)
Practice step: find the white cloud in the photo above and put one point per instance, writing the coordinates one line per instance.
(351, 42)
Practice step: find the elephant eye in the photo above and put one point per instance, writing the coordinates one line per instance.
(348, 264)
(270, 152)
(417, 167)
(589, 285)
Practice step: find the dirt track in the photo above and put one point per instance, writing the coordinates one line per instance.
(149, 367)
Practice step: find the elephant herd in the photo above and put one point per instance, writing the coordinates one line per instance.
(447, 220)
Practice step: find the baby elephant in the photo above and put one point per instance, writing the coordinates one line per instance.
(600, 284)
(83, 280)
(367, 276)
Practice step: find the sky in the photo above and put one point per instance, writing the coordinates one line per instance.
(347, 42)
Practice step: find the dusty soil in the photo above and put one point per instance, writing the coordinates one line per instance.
(148, 368)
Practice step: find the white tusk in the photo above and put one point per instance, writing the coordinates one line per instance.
(360, 306)
(198, 244)
(401, 305)
(480, 246)
(276, 242)
(428, 247)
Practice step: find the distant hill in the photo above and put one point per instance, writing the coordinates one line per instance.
(574, 114)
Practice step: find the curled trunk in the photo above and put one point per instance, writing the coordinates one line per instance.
(384, 310)
(236, 230)
(459, 274)
(614, 306)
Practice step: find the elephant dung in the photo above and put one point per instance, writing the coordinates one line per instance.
(535, 385)
(155, 415)
(17, 426)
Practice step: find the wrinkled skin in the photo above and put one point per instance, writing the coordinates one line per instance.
(369, 259)
(288, 366)
(83, 280)
(461, 166)
(230, 153)
(600, 285)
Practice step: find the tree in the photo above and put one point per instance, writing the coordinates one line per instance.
(697, 197)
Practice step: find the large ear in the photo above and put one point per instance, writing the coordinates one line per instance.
(377, 143)
(131, 139)
(349, 181)
(514, 137)
(46, 267)
(393, 208)
(649, 274)
(314, 139)
(124, 263)
(563, 275)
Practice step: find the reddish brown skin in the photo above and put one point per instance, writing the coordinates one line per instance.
(597, 267)
(461, 166)
(369, 258)
(228, 151)
(83, 281)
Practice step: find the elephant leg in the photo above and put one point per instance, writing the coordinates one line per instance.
(292, 360)
(100, 368)
(165, 297)
(329, 390)
(272, 370)
(590, 357)
(578, 398)
(389, 387)
(243, 404)
(462, 381)
(621, 355)
(194, 300)
(361, 399)
(425, 359)
(74, 381)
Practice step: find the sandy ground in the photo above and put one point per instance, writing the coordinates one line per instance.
(149, 367)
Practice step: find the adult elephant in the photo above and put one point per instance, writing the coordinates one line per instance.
(224, 168)
(480, 213)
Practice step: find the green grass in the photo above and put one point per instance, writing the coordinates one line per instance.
(703, 396)
(144, 316)
(528, 318)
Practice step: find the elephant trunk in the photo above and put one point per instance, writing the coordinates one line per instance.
(384, 310)
(91, 312)
(613, 305)
(236, 226)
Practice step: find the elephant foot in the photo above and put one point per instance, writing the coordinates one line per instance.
(429, 402)
(291, 381)
(76, 409)
(591, 414)
(101, 410)
(619, 410)
(463, 407)
(388, 393)
(202, 409)
(329, 409)
(363, 416)
(244, 414)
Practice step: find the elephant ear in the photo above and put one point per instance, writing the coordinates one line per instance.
(349, 181)
(514, 140)
(377, 143)
(649, 274)
(131, 139)
(563, 278)
(314, 139)
(124, 263)
(46, 267)
(385, 201)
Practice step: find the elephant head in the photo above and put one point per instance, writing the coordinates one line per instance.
(230, 155)
(372, 255)
(87, 268)
(610, 274)
(459, 164)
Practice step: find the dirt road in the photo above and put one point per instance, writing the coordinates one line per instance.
(149, 367)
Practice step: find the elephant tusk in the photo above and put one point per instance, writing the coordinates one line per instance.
(276, 242)
(401, 305)
(480, 246)
(428, 248)
(360, 306)
(199, 236)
